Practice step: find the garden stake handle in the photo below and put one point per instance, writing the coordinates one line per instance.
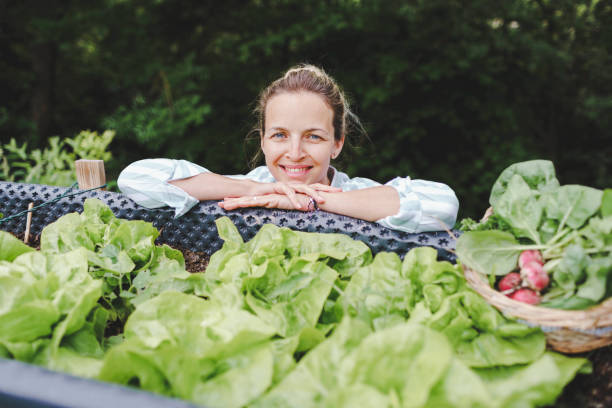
(26, 236)
(90, 173)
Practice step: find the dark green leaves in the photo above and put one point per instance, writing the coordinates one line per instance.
(117, 252)
(490, 252)
(11, 247)
(573, 205)
(521, 208)
(537, 174)
(570, 224)
(606, 203)
(286, 319)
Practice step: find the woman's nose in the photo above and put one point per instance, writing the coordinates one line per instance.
(295, 151)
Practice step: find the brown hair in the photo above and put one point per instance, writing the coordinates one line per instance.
(305, 77)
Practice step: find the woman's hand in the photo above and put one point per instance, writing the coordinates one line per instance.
(292, 190)
(280, 201)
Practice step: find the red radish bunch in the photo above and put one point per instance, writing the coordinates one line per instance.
(534, 276)
(526, 295)
(530, 255)
(510, 282)
(525, 286)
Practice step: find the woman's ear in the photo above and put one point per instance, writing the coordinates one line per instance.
(337, 148)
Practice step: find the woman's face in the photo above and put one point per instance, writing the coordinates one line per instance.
(298, 140)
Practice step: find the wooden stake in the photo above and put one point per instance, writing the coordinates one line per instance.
(90, 173)
(26, 236)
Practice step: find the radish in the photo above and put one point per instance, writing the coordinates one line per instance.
(526, 295)
(534, 276)
(509, 282)
(530, 255)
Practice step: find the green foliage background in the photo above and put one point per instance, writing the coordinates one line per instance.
(449, 90)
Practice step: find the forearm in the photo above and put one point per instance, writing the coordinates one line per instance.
(370, 204)
(211, 186)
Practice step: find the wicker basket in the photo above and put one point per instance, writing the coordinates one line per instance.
(567, 331)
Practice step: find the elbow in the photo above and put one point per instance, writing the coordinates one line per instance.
(452, 214)
(131, 182)
(440, 214)
(122, 183)
(451, 210)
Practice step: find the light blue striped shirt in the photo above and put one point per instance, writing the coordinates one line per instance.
(424, 205)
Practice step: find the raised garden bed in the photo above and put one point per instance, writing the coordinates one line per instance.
(195, 236)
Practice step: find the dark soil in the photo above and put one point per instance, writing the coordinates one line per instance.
(590, 390)
(194, 261)
(33, 240)
(585, 391)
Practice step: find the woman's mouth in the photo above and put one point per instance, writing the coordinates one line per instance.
(295, 171)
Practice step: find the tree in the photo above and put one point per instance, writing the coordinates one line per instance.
(469, 86)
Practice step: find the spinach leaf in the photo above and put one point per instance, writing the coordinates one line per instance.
(570, 270)
(572, 302)
(606, 203)
(520, 207)
(599, 272)
(538, 174)
(491, 252)
(597, 234)
(548, 229)
(493, 222)
(572, 205)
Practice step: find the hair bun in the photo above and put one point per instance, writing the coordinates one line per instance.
(310, 68)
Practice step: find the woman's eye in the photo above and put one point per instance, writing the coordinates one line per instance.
(277, 135)
(314, 137)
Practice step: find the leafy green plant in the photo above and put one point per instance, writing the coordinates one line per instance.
(53, 165)
(288, 318)
(570, 225)
(163, 118)
(121, 253)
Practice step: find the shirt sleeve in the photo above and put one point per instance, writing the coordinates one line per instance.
(146, 182)
(424, 205)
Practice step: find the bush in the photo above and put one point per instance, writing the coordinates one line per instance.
(53, 165)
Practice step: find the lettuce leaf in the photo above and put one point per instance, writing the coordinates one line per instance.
(123, 254)
(11, 247)
(287, 319)
(44, 298)
(204, 351)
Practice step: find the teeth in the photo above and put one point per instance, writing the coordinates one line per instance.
(299, 170)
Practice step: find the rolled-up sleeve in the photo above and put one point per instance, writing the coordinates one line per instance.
(146, 182)
(424, 206)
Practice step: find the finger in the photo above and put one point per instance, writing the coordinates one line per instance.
(309, 191)
(314, 193)
(325, 187)
(286, 189)
(227, 205)
(231, 203)
(250, 201)
(290, 193)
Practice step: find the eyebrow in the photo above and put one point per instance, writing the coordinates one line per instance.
(307, 130)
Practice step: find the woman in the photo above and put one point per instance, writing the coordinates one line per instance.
(302, 123)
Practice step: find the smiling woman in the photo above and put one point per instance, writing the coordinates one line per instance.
(302, 123)
(299, 144)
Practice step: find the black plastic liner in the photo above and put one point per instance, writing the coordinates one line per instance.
(26, 385)
(197, 231)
